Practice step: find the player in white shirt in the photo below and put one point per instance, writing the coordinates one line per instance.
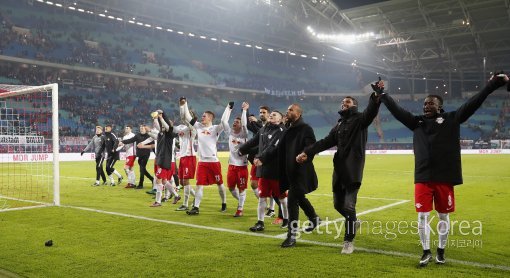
(130, 156)
(209, 166)
(237, 174)
(187, 160)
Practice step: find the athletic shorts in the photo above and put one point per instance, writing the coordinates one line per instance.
(209, 173)
(269, 188)
(165, 174)
(237, 175)
(130, 160)
(187, 167)
(441, 194)
(253, 173)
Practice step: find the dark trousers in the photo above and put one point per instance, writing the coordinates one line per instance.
(344, 200)
(99, 168)
(110, 163)
(142, 162)
(295, 201)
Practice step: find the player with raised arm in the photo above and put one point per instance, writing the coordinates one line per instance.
(130, 156)
(209, 166)
(237, 174)
(95, 144)
(164, 155)
(187, 160)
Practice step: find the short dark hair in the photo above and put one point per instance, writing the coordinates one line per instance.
(438, 97)
(129, 126)
(276, 111)
(237, 118)
(353, 100)
(108, 125)
(265, 108)
(210, 113)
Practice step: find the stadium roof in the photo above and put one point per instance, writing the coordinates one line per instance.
(433, 39)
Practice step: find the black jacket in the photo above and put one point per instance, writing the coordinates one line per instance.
(295, 176)
(266, 140)
(110, 145)
(254, 127)
(138, 138)
(436, 141)
(350, 138)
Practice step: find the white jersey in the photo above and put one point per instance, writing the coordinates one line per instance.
(130, 149)
(235, 140)
(186, 137)
(207, 141)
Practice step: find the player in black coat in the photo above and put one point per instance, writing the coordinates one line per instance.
(298, 178)
(349, 135)
(436, 144)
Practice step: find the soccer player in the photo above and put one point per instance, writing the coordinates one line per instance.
(269, 187)
(254, 126)
(436, 144)
(95, 144)
(209, 167)
(130, 156)
(164, 156)
(109, 146)
(143, 154)
(237, 174)
(187, 160)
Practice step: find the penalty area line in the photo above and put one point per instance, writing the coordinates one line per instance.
(319, 243)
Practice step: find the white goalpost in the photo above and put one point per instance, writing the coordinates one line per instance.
(29, 146)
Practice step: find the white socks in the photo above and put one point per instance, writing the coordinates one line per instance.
(271, 203)
(443, 229)
(284, 208)
(170, 186)
(130, 174)
(261, 209)
(159, 189)
(423, 229)
(235, 193)
(199, 192)
(256, 191)
(242, 198)
(223, 193)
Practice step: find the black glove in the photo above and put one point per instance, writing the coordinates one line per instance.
(497, 80)
(81, 153)
(378, 87)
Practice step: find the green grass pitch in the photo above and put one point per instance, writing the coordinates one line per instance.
(112, 231)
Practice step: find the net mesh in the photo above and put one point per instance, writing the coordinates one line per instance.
(25, 145)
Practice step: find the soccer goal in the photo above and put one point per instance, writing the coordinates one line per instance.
(29, 146)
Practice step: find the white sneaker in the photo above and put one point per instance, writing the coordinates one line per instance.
(348, 247)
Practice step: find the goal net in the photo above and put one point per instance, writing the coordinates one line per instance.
(29, 146)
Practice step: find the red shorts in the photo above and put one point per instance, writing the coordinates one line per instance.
(209, 173)
(253, 173)
(187, 166)
(269, 188)
(441, 194)
(130, 160)
(165, 174)
(237, 175)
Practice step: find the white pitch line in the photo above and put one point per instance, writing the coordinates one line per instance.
(327, 244)
(24, 208)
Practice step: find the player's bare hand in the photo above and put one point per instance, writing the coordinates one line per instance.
(301, 158)
(257, 162)
(182, 101)
(245, 105)
(252, 119)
